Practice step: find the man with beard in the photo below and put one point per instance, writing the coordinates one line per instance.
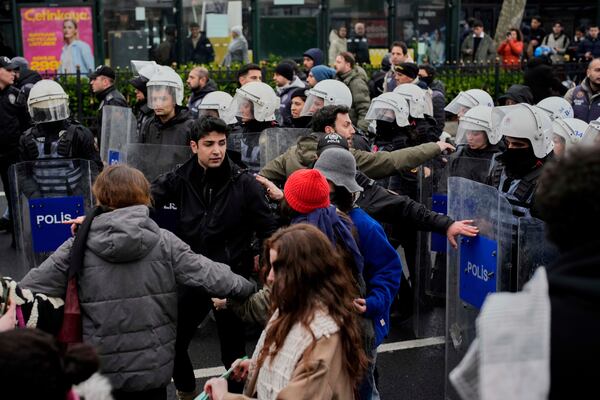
(200, 84)
(585, 97)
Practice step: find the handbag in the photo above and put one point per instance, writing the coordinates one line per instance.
(71, 328)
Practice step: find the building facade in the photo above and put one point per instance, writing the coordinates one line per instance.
(135, 29)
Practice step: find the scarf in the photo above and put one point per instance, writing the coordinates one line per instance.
(335, 228)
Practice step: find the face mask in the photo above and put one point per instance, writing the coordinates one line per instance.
(519, 161)
(386, 129)
(427, 79)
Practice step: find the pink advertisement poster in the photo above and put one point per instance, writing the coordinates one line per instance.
(58, 38)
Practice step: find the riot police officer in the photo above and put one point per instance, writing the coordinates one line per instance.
(254, 106)
(54, 134)
(462, 103)
(556, 107)
(139, 82)
(328, 92)
(171, 123)
(102, 81)
(421, 112)
(14, 121)
(567, 133)
(527, 131)
(215, 104)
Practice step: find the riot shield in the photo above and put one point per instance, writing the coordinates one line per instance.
(276, 141)
(430, 273)
(245, 148)
(154, 160)
(45, 194)
(479, 266)
(533, 249)
(118, 129)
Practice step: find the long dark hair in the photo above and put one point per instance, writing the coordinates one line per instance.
(310, 275)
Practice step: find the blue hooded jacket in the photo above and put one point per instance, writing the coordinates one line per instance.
(382, 271)
(316, 54)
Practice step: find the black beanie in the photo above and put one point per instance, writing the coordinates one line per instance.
(409, 69)
(139, 82)
(286, 70)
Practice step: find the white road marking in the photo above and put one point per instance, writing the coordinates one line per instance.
(384, 348)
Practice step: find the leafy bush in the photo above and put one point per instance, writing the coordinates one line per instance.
(456, 78)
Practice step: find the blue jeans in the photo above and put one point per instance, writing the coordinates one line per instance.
(368, 389)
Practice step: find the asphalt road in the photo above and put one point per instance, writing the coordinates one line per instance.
(408, 368)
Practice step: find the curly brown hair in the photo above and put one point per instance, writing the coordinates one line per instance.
(310, 275)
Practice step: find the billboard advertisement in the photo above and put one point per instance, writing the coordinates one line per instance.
(58, 38)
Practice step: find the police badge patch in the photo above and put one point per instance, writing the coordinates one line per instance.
(12, 98)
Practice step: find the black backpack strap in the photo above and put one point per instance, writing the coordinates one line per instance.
(65, 141)
(527, 185)
(30, 146)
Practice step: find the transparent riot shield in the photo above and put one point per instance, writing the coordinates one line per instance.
(479, 266)
(276, 141)
(118, 129)
(245, 148)
(534, 249)
(430, 274)
(154, 160)
(45, 194)
(432, 180)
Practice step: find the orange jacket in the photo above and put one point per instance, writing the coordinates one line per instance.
(510, 51)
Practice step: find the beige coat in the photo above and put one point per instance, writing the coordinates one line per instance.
(320, 376)
(337, 45)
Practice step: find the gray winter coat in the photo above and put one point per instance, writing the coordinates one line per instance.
(128, 293)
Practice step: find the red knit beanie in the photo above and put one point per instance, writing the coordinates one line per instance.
(306, 190)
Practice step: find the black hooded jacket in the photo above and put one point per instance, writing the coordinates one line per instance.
(472, 164)
(108, 97)
(219, 210)
(27, 77)
(518, 94)
(574, 290)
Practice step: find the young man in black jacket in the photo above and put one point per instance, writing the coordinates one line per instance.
(221, 207)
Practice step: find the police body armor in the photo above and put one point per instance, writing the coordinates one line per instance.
(58, 176)
(520, 192)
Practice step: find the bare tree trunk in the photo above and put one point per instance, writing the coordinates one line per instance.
(510, 17)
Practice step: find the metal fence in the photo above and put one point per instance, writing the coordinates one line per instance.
(495, 78)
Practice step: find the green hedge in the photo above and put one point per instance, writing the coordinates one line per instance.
(456, 78)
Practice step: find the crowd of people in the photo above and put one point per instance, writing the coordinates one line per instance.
(517, 48)
(302, 244)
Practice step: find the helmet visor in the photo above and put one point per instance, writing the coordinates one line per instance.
(209, 112)
(312, 105)
(49, 110)
(592, 134)
(241, 107)
(470, 129)
(386, 112)
(161, 96)
(460, 104)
